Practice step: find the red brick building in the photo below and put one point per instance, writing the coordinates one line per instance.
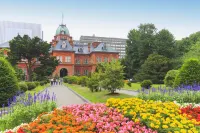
(75, 58)
(78, 59)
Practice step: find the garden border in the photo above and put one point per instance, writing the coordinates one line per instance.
(84, 99)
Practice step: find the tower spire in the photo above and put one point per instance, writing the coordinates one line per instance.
(62, 18)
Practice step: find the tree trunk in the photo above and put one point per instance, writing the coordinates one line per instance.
(112, 91)
(29, 71)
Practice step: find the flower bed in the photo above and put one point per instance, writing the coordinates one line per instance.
(84, 118)
(130, 115)
(191, 112)
(161, 116)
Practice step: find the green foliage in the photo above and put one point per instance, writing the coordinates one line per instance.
(23, 86)
(48, 66)
(171, 95)
(37, 83)
(65, 79)
(111, 77)
(146, 84)
(145, 41)
(164, 44)
(170, 78)
(8, 81)
(185, 44)
(42, 83)
(31, 85)
(30, 50)
(82, 80)
(93, 82)
(19, 73)
(24, 114)
(129, 83)
(194, 52)
(189, 73)
(155, 68)
(71, 79)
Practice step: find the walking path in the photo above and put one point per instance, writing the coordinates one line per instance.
(64, 96)
(128, 92)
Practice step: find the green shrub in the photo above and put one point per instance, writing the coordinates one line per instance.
(170, 78)
(71, 79)
(65, 79)
(31, 85)
(129, 83)
(189, 73)
(146, 84)
(37, 83)
(82, 80)
(93, 82)
(25, 114)
(8, 81)
(23, 87)
(42, 83)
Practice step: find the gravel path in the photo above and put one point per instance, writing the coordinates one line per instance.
(64, 95)
(128, 92)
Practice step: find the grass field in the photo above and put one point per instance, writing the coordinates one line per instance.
(95, 97)
(136, 86)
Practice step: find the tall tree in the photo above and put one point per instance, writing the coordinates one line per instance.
(27, 50)
(154, 69)
(165, 44)
(47, 67)
(147, 37)
(132, 61)
(139, 45)
(185, 44)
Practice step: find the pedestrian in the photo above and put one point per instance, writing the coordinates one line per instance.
(61, 80)
(51, 81)
(54, 81)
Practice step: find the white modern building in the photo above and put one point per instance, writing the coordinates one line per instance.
(9, 30)
(118, 44)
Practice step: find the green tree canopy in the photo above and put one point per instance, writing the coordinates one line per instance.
(154, 69)
(189, 73)
(29, 50)
(145, 41)
(194, 52)
(8, 81)
(165, 44)
(112, 78)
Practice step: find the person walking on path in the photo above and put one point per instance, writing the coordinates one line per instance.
(61, 80)
(51, 81)
(56, 81)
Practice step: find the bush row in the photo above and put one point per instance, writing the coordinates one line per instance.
(24, 86)
(80, 80)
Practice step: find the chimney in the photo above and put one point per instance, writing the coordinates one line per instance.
(89, 47)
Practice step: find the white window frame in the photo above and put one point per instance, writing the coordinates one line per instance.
(68, 59)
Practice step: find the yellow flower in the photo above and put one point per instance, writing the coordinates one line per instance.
(165, 126)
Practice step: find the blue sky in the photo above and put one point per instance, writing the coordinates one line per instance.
(109, 18)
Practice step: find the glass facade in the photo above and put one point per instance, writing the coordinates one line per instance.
(9, 30)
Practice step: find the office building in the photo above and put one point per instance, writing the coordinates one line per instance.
(118, 44)
(9, 30)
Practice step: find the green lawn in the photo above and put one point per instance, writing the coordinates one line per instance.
(95, 97)
(136, 86)
(37, 89)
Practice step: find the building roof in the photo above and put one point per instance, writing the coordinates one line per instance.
(62, 29)
(102, 47)
(62, 45)
(4, 45)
